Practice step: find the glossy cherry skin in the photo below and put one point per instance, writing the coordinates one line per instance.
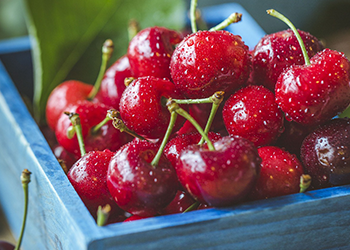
(112, 85)
(177, 144)
(253, 114)
(150, 50)
(313, 94)
(221, 177)
(90, 115)
(142, 108)
(138, 187)
(280, 174)
(88, 176)
(65, 94)
(276, 52)
(209, 61)
(325, 154)
(179, 204)
(4, 245)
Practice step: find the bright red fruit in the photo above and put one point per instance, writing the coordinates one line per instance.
(279, 174)
(253, 114)
(313, 94)
(209, 61)
(150, 50)
(276, 52)
(325, 154)
(142, 107)
(90, 114)
(112, 85)
(88, 176)
(138, 187)
(220, 177)
(65, 94)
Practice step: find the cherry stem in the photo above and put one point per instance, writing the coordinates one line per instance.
(175, 107)
(75, 120)
(103, 214)
(107, 50)
(305, 181)
(120, 125)
(233, 18)
(25, 179)
(193, 18)
(194, 206)
(111, 114)
(133, 28)
(278, 15)
(173, 117)
(217, 98)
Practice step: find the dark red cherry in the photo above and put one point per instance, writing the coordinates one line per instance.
(112, 85)
(179, 204)
(137, 186)
(276, 52)
(221, 177)
(150, 50)
(142, 106)
(65, 94)
(4, 245)
(63, 155)
(280, 174)
(88, 176)
(253, 114)
(135, 217)
(209, 61)
(325, 154)
(90, 114)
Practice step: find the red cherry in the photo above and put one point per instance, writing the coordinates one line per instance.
(65, 94)
(280, 173)
(88, 176)
(276, 52)
(179, 204)
(135, 217)
(313, 94)
(150, 50)
(4, 245)
(142, 108)
(112, 85)
(209, 61)
(253, 114)
(138, 187)
(91, 114)
(61, 154)
(220, 177)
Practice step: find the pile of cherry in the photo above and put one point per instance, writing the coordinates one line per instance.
(188, 121)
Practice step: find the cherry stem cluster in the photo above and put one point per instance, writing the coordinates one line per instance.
(25, 179)
(278, 15)
(75, 120)
(107, 50)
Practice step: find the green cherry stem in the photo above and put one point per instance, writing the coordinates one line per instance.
(187, 116)
(233, 18)
(25, 179)
(111, 114)
(103, 214)
(75, 120)
(173, 117)
(193, 17)
(194, 206)
(107, 50)
(133, 28)
(305, 181)
(278, 15)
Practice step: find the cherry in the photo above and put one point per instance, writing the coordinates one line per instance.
(138, 185)
(219, 177)
(135, 217)
(276, 52)
(91, 114)
(4, 245)
(179, 204)
(209, 61)
(150, 50)
(280, 174)
(63, 155)
(313, 93)
(112, 85)
(325, 154)
(142, 106)
(253, 114)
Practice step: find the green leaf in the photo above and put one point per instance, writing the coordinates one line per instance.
(68, 36)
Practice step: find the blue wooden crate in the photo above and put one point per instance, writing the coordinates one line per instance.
(58, 219)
